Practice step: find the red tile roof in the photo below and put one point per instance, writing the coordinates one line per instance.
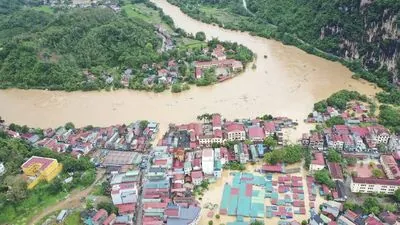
(218, 133)
(101, 213)
(370, 180)
(233, 127)
(319, 159)
(155, 205)
(196, 174)
(256, 132)
(269, 127)
(109, 219)
(125, 208)
(336, 170)
(43, 162)
(272, 168)
(391, 163)
(372, 221)
(216, 120)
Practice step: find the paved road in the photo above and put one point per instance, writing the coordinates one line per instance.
(73, 200)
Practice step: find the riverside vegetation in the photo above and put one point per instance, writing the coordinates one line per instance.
(362, 37)
(89, 49)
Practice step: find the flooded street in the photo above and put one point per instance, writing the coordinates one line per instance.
(287, 83)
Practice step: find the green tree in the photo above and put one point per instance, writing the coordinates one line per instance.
(217, 216)
(334, 156)
(323, 177)
(371, 205)
(304, 222)
(210, 222)
(336, 120)
(201, 36)
(377, 173)
(16, 188)
(108, 206)
(69, 126)
(270, 142)
(257, 222)
(397, 195)
(143, 124)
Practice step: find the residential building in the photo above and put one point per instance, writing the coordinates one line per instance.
(379, 132)
(374, 185)
(256, 134)
(180, 215)
(187, 167)
(216, 122)
(318, 163)
(208, 161)
(344, 221)
(390, 166)
(124, 193)
(217, 168)
(40, 168)
(99, 217)
(197, 177)
(236, 131)
(110, 219)
(335, 170)
(389, 218)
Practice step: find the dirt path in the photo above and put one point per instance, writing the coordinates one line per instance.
(73, 200)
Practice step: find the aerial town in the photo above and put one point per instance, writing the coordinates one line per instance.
(217, 170)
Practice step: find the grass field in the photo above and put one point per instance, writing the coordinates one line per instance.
(73, 219)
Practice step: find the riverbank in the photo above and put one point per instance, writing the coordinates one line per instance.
(287, 83)
(236, 16)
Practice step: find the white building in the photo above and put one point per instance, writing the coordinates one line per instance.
(124, 193)
(208, 161)
(374, 185)
(318, 163)
(236, 131)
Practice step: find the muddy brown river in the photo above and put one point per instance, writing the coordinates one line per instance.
(287, 83)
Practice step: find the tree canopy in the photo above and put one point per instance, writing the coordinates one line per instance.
(289, 154)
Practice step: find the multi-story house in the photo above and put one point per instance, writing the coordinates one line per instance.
(374, 185)
(390, 166)
(318, 163)
(236, 131)
(208, 161)
(380, 133)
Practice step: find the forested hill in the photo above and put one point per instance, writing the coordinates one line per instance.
(51, 50)
(365, 30)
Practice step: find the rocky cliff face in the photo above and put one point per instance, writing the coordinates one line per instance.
(378, 44)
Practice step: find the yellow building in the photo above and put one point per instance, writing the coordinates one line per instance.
(40, 168)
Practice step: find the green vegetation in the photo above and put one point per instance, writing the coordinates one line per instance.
(323, 177)
(334, 156)
(370, 205)
(397, 195)
(108, 206)
(17, 204)
(318, 27)
(73, 219)
(270, 142)
(234, 166)
(43, 50)
(289, 154)
(336, 120)
(377, 173)
(339, 100)
(201, 36)
(390, 117)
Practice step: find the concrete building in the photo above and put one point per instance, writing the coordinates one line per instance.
(390, 166)
(236, 131)
(208, 161)
(374, 185)
(124, 193)
(318, 163)
(40, 168)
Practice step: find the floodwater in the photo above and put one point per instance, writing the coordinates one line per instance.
(287, 83)
(214, 196)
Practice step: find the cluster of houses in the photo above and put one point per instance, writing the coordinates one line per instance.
(356, 113)
(223, 66)
(351, 139)
(332, 213)
(217, 131)
(362, 179)
(133, 137)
